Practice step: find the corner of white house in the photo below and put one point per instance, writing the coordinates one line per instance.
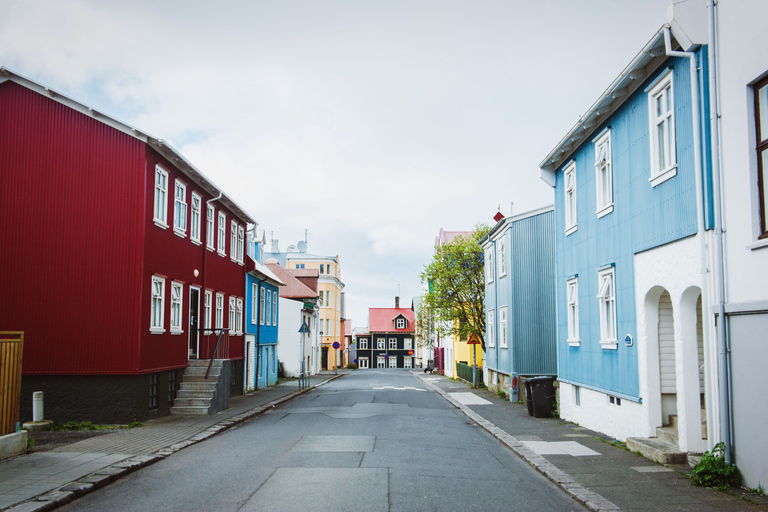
(598, 410)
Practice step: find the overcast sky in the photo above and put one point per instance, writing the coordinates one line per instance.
(372, 124)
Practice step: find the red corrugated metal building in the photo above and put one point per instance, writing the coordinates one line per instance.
(105, 233)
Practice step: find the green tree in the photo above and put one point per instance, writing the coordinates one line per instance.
(455, 279)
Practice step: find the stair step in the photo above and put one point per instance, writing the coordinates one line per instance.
(198, 386)
(189, 411)
(192, 402)
(200, 378)
(672, 421)
(657, 450)
(669, 435)
(194, 393)
(201, 370)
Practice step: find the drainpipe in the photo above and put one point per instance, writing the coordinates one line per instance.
(697, 167)
(205, 257)
(719, 267)
(258, 333)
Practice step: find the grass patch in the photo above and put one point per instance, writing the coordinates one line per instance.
(74, 426)
(713, 471)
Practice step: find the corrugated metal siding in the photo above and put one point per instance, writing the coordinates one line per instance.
(71, 196)
(643, 217)
(534, 313)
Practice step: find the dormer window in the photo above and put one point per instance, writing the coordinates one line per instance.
(400, 323)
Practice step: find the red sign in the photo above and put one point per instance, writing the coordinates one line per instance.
(410, 352)
(473, 340)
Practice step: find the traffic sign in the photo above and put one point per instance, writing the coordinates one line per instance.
(473, 340)
(410, 352)
(336, 344)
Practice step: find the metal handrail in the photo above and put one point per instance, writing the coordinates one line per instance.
(213, 355)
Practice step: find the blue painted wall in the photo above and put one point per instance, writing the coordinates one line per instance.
(266, 334)
(643, 217)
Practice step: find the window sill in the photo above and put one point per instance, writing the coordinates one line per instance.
(176, 333)
(604, 211)
(196, 242)
(571, 229)
(156, 331)
(663, 176)
(210, 248)
(503, 346)
(222, 254)
(179, 233)
(159, 223)
(502, 275)
(574, 342)
(758, 245)
(609, 344)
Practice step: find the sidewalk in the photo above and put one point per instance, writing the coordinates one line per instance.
(46, 480)
(584, 463)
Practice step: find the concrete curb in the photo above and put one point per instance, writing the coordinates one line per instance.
(89, 483)
(566, 482)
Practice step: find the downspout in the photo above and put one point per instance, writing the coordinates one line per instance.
(719, 266)
(205, 257)
(258, 333)
(697, 167)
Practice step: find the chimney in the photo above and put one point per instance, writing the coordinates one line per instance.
(397, 302)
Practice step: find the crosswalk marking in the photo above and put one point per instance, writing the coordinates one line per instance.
(400, 389)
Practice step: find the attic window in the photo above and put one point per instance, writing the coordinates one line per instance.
(400, 323)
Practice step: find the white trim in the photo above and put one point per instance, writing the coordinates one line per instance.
(489, 270)
(160, 211)
(197, 315)
(233, 240)
(490, 330)
(219, 311)
(606, 282)
(210, 229)
(503, 332)
(572, 302)
(663, 89)
(180, 208)
(157, 295)
(231, 317)
(221, 234)
(664, 176)
(570, 205)
(239, 316)
(408, 343)
(603, 165)
(758, 245)
(196, 215)
(391, 342)
(207, 310)
(176, 304)
(501, 257)
(240, 245)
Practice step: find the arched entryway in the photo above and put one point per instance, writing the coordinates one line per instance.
(667, 358)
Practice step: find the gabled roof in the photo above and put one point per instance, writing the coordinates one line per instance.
(159, 145)
(383, 319)
(629, 80)
(260, 272)
(294, 289)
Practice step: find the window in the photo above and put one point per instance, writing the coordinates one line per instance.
(661, 106)
(268, 312)
(407, 362)
(219, 311)
(381, 343)
(503, 327)
(239, 316)
(572, 293)
(489, 265)
(180, 209)
(603, 174)
(393, 361)
(222, 233)
(577, 395)
(400, 323)
(363, 362)
(274, 307)
(607, 308)
(153, 387)
(156, 323)
(381, 362)
(328, 301)
(210, 226)
(491, 330)
(177, 292)
(570, 199)
(322, 269)
(240, 244)
(327, 327)
(171, 386)
(194, 225)
(300, 265)
(392, 343)
(363, 343)
(233, 241)
(322, 301)
(761, 120)
(408, 343)
(261, 305)
(254, 303)
(232, 312)
(501, 258)
(161, 197)
(207, 308)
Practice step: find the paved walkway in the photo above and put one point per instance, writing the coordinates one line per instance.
(45, 480)
(584, 463)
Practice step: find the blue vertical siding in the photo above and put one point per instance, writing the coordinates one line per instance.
(643, 217)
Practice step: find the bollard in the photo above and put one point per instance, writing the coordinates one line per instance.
(37, 406)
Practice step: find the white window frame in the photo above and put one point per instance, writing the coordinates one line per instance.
(208, 308)
(408, 343)
(491, 329)
(664, 90)
(400, 323)
(570, 187)
(392, 344)
(157, 310)
(210, 230)
(268, 312)
(161, 197)
(274, 307)
(231, 315)
(407, 362)
(180, 208)
(381, 362)
(222, 234)
(501, 257)
(195, 218)
(489, 271)
(177, 300)
(381, 343)
(233, 240)
(503, 327)
(606, 295)
(262, 295)
(254, 303)
(239, 316)
(392, 362)
(603, 174)
(572, 308)
(363, 362)
(363, 342)
(240, 244)
(219, 311)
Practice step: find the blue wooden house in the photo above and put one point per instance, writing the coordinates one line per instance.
(261, 323)
(633, 203)
(521, 327)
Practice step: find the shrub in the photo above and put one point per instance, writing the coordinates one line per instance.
(713, 471)
(351, 366)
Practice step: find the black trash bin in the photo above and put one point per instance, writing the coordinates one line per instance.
(540, 394)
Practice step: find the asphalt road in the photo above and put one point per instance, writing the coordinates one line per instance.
(374, 440)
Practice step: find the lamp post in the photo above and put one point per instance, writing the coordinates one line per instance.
(304, 330)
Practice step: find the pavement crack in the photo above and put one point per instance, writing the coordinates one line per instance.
(250, 496)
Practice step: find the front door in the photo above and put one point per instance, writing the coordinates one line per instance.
(194, 314)
(324, 360)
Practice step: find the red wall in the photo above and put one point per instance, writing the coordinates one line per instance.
(70, 193)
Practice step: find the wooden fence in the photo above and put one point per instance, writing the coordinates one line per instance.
(11, 350)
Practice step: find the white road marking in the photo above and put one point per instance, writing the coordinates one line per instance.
(400, 389)
(469, 399)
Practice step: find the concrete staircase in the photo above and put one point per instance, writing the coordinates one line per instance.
(664, 448)
(195, 394)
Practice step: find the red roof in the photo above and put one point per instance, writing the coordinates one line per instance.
(383, 319)
(294, 289)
